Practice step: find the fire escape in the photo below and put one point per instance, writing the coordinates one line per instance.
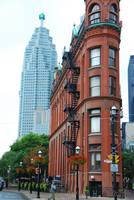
(70, 86)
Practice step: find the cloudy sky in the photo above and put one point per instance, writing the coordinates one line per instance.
(18, 19)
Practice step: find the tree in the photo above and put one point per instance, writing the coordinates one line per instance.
(30, 141)
(23, 150)
(128, 164)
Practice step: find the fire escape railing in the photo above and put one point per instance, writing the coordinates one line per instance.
(70, 137)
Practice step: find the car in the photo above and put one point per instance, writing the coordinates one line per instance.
(57, 180)
(2, 183)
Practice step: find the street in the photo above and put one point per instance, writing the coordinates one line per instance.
(129, 195)
(11, 196)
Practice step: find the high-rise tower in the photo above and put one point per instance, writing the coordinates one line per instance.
(82, 100)
(37, 75)
(131, 88)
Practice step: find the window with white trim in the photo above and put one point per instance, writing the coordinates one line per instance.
(94, 121)
(95, 86)
(112, 57)
(112, 86)
(95, 157)
(95, 55)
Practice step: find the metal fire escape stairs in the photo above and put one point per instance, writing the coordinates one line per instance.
(70, 86)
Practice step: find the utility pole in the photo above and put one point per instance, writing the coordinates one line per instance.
(77, 151)
(113, 117)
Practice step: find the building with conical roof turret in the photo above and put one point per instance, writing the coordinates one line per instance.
(81, 102)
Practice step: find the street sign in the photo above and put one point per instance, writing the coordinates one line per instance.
(107, 161)
(114, 168)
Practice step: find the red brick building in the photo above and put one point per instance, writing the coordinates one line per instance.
(84, 91)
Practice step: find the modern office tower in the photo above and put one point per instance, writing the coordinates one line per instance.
(40, 59)
(131, 88)
(128, 135)
(81, 102)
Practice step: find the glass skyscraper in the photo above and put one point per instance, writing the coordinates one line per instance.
(131, 88)
(40, 59)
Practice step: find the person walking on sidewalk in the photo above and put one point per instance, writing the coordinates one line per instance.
(52, 190)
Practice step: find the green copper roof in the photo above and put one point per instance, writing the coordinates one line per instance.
(41, 16)
(59, 67)
(55, 75)
(75, 31)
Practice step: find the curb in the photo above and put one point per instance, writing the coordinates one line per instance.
(25, 196)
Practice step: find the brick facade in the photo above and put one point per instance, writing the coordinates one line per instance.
(95, 52)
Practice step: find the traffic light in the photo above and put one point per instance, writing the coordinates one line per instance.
(109, 157)
(117, 159)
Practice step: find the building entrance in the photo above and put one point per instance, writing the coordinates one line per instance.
(95, 188)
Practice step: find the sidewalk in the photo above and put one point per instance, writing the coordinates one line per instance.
(63, 196)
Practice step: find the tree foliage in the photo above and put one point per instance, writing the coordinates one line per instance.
(128, 164)
(24, 150)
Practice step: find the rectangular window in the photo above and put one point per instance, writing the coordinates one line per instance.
(95, 57)
(112, 57)
(95, 86)
(94, 117)
(112, 86)
(95, 157)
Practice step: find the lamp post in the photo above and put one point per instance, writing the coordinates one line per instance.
(38, 175)
(113, 117)
(114, 167)
(77, 151)
(20, 175)
(31, 178)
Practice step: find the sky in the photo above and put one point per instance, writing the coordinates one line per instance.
(18, 19)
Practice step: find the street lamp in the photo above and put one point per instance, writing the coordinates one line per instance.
(77, 151)
(114, 166)
(38, 175)
(31, 178)
(20, 175)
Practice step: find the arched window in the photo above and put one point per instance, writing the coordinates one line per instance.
(94, 14)
(113, 14)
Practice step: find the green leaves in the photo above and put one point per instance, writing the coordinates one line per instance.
(128, 164)
(24, 150)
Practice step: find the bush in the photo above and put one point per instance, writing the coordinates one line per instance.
(22, 185)
(33, 186)
(26, 186)
(44, 187)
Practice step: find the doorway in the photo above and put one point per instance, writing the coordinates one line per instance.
(95, 188)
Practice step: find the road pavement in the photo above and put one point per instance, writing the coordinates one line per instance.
(11, 196)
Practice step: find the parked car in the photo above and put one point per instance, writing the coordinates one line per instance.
(2, 183)
(57, 180)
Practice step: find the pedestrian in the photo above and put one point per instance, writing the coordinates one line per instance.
(52, 190)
